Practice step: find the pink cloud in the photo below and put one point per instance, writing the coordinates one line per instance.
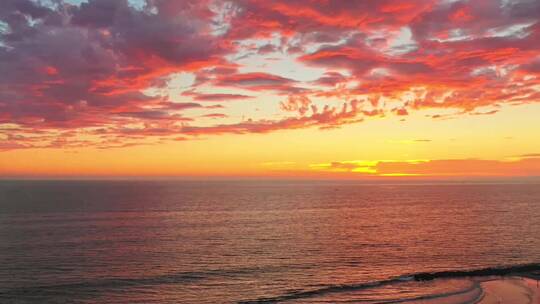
(73, 67)
(257, 82)
(215, 115)
(215, 97)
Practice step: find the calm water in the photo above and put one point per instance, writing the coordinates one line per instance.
(229, 242)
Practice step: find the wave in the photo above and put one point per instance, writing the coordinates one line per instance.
(92, 287)
(421, 276)
(482, 272)
(116, 284)
(322, 291)
(119, 283)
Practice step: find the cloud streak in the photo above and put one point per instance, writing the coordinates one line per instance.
(524, 166)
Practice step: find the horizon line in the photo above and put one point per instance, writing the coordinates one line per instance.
(373, 179)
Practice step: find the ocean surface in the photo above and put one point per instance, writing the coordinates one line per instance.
(259, 241)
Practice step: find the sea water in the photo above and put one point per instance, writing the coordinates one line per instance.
(258, 241)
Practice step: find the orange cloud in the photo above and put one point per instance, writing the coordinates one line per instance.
(526, 166)
(87, 68)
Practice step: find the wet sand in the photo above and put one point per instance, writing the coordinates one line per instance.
(512, 290)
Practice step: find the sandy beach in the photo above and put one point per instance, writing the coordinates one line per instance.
(513, 290)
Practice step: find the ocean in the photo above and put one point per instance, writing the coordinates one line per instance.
(182, 241)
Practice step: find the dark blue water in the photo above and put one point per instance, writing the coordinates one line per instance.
(229, 242)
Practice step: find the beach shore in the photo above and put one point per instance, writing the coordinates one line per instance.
(512, 290)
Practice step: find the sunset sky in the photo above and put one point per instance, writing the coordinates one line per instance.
(298, 88)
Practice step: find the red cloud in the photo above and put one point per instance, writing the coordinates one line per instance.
(330, 79)
(256, 82)
(84, 68)
(215, 115)
(258, 18)
(329, 117)
(215, 97)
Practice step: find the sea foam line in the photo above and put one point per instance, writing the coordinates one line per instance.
(421, 276)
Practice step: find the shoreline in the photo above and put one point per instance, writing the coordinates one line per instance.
(514, 290)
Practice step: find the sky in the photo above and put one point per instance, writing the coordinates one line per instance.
(256, 88)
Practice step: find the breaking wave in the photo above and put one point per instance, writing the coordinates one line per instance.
(421, 276)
